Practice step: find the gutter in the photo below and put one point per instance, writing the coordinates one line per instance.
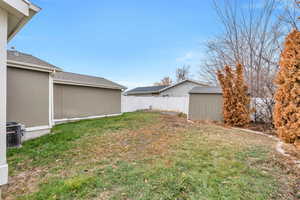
(11, 63)
(86, 84)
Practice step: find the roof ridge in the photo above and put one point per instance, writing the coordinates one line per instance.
(85, 79)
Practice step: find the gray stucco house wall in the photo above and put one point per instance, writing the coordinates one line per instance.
(38, 93)
(71, 101)
(28, 97)
(29, 93)
(79, 96)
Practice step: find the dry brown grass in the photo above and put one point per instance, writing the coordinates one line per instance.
(150, 142)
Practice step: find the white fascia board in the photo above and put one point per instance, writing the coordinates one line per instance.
(23, 10)
(85, 84)
(11, 63)
(16, 6)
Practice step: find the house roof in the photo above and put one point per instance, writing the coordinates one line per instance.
(69, 78)
(19, 58)
(19, 13)
(181, 82)
(158, 89)
(146, 90)
(206, 90)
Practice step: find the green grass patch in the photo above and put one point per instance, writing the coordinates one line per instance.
(199, 169)
(57, 146)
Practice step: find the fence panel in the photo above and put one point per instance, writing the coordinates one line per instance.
(176, 104)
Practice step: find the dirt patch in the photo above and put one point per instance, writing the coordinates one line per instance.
(292, 150)
(150, 141)
(23, 183)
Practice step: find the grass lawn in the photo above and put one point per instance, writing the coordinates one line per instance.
(149, 156)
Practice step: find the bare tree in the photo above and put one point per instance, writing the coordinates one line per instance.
(252, 35)
(165, 81)
(182, 73)
(291, 12)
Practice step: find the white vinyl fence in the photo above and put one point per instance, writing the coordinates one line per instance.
(176, 104)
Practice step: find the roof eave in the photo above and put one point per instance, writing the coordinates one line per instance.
(65, 82)
(23, 65)
(134, 93)
(171, 86)
(25, 11)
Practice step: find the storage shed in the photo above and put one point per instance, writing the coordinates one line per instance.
(205, 103)
(78, 96)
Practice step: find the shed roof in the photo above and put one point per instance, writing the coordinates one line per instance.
(19, 57)
(206, 90)
(85, 80)
(146, 90)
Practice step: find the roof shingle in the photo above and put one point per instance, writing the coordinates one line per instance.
(28, 59)
(72, 78)
(143, 90)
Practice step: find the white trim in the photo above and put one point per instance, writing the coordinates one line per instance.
(51, 110)
(37, 128)
(188, 107)
(3, 94)
(3, 174)
(60, 121)
(23, 13)
(85, 84)
(36, 132)
(18, 7)
(22, 65)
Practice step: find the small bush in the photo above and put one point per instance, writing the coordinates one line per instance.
(182, 115)
(236, 101)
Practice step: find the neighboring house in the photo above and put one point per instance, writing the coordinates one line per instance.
(79, 96)
(40, 94)
(206, 103)
(180, 89)
(145, 91)
(14, 14)
(30, 92)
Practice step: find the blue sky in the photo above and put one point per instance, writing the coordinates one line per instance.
(133, 42)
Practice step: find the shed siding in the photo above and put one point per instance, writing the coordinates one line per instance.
(28, 97)
(79, 101)
(179, 90)
(205, 107)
